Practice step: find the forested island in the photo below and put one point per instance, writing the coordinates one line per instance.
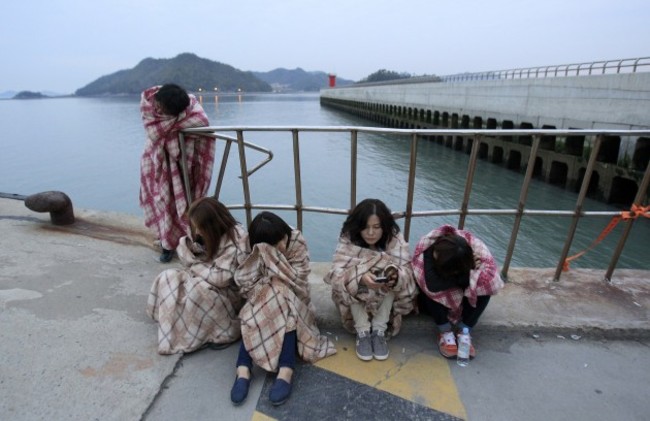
(200, 74)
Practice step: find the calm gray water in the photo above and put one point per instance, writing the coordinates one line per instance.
(90, 148)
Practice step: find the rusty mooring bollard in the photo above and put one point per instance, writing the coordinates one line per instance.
(57, 203)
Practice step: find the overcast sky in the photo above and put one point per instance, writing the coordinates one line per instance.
(62, 45)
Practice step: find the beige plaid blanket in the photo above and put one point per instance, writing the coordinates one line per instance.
(351, 262)
(198, 304)
(277, 301)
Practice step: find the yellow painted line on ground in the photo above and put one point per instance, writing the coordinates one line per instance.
(258, 416)
(415, 376)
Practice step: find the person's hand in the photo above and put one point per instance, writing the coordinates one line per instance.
(389, 285)
(368, 279)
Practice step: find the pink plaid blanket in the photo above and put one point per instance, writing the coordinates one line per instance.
(351, 262)
(162, 192)
(277, 301)
(484, 280)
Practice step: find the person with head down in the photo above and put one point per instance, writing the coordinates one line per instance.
(456, 275)
(165, 111)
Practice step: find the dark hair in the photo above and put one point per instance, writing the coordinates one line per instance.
(358, 219)
(269, 228)
(172, 98)
(213, 220)
(453, 256)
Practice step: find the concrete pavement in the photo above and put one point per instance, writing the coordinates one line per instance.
(75, 342)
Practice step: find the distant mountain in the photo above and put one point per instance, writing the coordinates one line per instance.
(29, 95)
(7, 94)
(283, 80)
(187, 69)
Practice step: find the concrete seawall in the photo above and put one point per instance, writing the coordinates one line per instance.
(599, 102)
(610, 101)
(39, 257)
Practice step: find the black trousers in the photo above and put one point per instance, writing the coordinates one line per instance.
(287, 355)
(470, 315)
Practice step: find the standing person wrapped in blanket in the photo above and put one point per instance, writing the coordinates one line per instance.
(456, 274)
(165, 111)
(198, 305)
(278, 314)
(371, 278)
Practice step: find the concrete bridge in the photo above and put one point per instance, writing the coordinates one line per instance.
(613, 95)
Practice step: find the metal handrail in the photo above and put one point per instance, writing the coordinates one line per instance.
(224, 159)
(409, 213)
(633, 65)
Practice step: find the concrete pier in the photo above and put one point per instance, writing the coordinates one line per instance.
(607, 102)
(76, 343)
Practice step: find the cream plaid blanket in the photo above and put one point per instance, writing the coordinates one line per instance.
(277, 301)
(198, 304)
(351, 262)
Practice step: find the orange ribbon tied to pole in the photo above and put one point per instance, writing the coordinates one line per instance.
(634, 212)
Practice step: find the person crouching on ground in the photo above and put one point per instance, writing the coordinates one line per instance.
(166, 110)
(371, 278)
(278, 315)
(198, 305)
(456, 274)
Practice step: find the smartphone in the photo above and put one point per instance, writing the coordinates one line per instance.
(381, 279)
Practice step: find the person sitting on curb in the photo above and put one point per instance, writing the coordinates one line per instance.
(198, 305)
(371, 278)
(278, 314)
(456, 275)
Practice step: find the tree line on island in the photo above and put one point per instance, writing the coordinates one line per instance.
(198, 74)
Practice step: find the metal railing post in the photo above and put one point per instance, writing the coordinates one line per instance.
(244, 176)
(523, 195)
(222, 169)
(353, 168)
(297, 177)
(411, 186)
(640, 193)
(578, 209)
(471, 168)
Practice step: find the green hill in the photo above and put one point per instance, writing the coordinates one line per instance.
(187, 70)
(29, 95)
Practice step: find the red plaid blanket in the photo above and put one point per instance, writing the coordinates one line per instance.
(162, 192)
(484, 280)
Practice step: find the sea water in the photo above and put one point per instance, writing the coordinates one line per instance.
(90, 149)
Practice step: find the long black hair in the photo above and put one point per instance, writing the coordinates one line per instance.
(358, 219)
